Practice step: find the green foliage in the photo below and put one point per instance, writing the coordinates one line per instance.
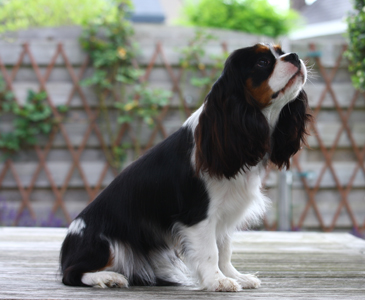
(252, 16)
(145, 105)
(356, 48)
(31, 120)
(20, 14)
(109, 45)
(193, 59)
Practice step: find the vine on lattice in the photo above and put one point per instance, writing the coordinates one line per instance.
(30, 120)
(192, 60)
(118, 83)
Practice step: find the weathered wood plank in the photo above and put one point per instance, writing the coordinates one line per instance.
(329, 51)
(59, 91)
(93, 169)
(77, 198)
(42, 51)
(77, 121)
(327, 202)
(344, 92)
(172, 38)
(45, 41)
(290, 265)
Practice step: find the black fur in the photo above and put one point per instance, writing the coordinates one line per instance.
(290, 131)
(232, 135)
(153, 193)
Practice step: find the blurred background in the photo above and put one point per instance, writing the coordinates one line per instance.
(87, 86)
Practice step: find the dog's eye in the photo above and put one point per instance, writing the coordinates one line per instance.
(263, 62)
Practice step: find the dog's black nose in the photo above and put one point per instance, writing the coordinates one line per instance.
(292, 58)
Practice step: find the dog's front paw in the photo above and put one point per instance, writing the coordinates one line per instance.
(248, 281)
(223, 284)
(105, 279)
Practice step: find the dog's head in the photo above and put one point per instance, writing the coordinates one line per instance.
(256, 107)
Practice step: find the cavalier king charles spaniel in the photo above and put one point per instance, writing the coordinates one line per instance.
(168, 218)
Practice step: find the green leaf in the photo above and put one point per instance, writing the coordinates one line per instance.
(125, 119)
(62, 108)
(199, 82)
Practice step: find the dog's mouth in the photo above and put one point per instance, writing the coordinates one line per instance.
(289, 83)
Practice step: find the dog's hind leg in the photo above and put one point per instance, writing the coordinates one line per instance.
(83, 264)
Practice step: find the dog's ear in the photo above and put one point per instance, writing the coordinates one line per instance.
(232, 133)
(290, 131)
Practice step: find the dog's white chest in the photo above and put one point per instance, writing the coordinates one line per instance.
(236, 201)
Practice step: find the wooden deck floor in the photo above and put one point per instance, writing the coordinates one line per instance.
(290, 265)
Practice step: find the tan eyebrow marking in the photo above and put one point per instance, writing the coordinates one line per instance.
(261, 48)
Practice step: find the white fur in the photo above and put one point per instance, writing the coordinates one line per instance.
(77, 227)
(193, 120)
(126, 262)
(104, 279)
(168, 266)
(164, 264)
(283, 72)
(247, 281)
(201, 256)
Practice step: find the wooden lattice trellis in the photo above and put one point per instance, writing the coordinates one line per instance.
(328, 153)
(93, 126)
(59, 190)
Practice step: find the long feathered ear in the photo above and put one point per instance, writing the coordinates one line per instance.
(232, 133)
(290, 131)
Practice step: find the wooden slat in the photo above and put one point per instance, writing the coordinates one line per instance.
(60, 89)
(343, 90)
(290, 265)
(93, 168)
(173, 37)
(76, 199)
(76, 124)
